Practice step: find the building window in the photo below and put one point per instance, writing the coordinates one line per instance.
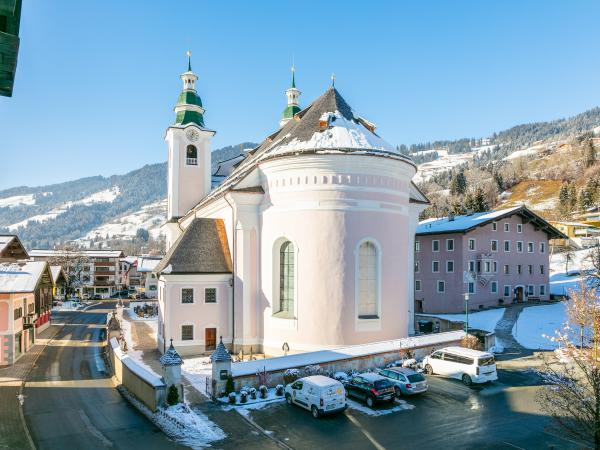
(507, 290)
(417, 266)
(530, 246)
(210, 295)
(441, 286)
(530, 269)
(488, 266)
(417, 285)
(519, 246)
(541, 269)
(367, 281)
(471, 288)
(507, 246)
(191, 155)
(472, 244)
(471, 266)
(542, 247)
(530, 290)
(187, 295)
(494, 226)
(494, 287)
(18, 313)
(449, 266)
(286, 277)
(417, 246)
(435, 266)
(506, 227)
(187, 332)
(435, 245)
(542, 289)
(495, 245)
(506, 269)
(519, 269)
(495, 265)
(450, 245)
(519, 228)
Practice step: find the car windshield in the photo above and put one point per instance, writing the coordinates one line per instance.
(415, 378)
(382, 384)
(487, 361)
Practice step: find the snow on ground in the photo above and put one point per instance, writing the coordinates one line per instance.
(522, 153)
(17, 200)
(150, 217)
(562, 282)
(480, 320)
(69, 305)
(105, 196)
(399, 405)
(537, 324)
(256, 403)
(196, 370)
(137, 355)
(444, 162)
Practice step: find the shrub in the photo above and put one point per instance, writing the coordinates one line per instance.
(264, 377)
(312, 370)
(232, 398)
(173, 395)
(263, 391)
(279, 390)
(243, 396)
(253, 393)
(229, 385)
(471, 342)
(291, 375)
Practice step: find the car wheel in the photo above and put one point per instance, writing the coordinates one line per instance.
(466, 379)
(397, 391)
(315, 412)
(428, 369)
(370, 401)
(288, 399)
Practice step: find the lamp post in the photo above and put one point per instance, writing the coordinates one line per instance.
(466, 313)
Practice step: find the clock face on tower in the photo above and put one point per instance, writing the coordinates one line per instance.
(192, 134)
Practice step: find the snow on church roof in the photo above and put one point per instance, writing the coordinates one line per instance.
(21, 277)
(327, 126)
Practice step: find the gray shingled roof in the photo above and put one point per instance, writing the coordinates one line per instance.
(202, 248)
(221, 353)
(171, 357)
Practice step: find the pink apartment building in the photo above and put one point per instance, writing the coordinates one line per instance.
(497, 257)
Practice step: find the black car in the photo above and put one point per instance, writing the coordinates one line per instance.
(120, 294)
(371, 388)
(96, 297)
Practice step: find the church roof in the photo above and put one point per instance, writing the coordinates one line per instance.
(221, 353)
(171, 357)
(201, 248)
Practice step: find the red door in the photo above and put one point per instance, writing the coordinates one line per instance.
(210, 339)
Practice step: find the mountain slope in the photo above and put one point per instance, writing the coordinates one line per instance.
(46, 215)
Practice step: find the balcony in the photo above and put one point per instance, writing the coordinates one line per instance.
(191, 161)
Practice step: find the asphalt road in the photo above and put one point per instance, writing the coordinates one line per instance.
(70, 400)
(502, 415)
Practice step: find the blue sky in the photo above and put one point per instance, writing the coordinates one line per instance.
(97, 80)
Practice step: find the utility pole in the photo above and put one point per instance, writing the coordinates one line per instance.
(466, 314)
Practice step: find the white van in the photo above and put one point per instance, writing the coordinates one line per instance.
(470, 366)
(319, 394)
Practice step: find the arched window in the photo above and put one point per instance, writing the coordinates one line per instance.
(367, 281)
(286, 277)
(191, 155)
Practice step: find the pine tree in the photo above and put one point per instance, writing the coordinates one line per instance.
(458, 184)
(589, 153)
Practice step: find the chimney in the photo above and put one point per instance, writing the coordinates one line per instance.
(450, 217)
(469, 212)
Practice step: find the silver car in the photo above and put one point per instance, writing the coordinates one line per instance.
(406, 381)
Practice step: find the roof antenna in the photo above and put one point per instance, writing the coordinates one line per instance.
(333, 80)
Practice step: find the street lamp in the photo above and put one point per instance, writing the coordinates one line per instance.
(466, 313)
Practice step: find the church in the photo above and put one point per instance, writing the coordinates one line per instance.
(302, 243)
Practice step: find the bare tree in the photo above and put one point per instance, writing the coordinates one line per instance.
(73, 262)
(572, 396)
(593, 275)
(569, 257)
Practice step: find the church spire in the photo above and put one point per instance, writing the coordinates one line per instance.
(189, 105)
(293, 105)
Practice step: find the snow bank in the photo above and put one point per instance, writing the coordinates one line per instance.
(537, 324)
(400, 405)
(480, 320)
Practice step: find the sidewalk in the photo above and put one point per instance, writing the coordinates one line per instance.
(504, 329)
(13, 434)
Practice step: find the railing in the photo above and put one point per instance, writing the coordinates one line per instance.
(191, 161)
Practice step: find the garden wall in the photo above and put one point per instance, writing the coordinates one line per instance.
(357, 357)
(144, 385)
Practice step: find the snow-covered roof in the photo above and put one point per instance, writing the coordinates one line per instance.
(89, 253)
(354, 351)
(171, 357)
(5, 240)
(468, 222)
(56, 272)
(17, 251)
(147, 264)
(22, 277)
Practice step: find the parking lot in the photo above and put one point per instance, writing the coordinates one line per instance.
(502, 414)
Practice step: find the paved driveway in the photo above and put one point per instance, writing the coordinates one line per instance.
(450, 415)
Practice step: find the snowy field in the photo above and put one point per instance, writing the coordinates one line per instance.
(480, 320)
(537, 324)
(562, 282)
